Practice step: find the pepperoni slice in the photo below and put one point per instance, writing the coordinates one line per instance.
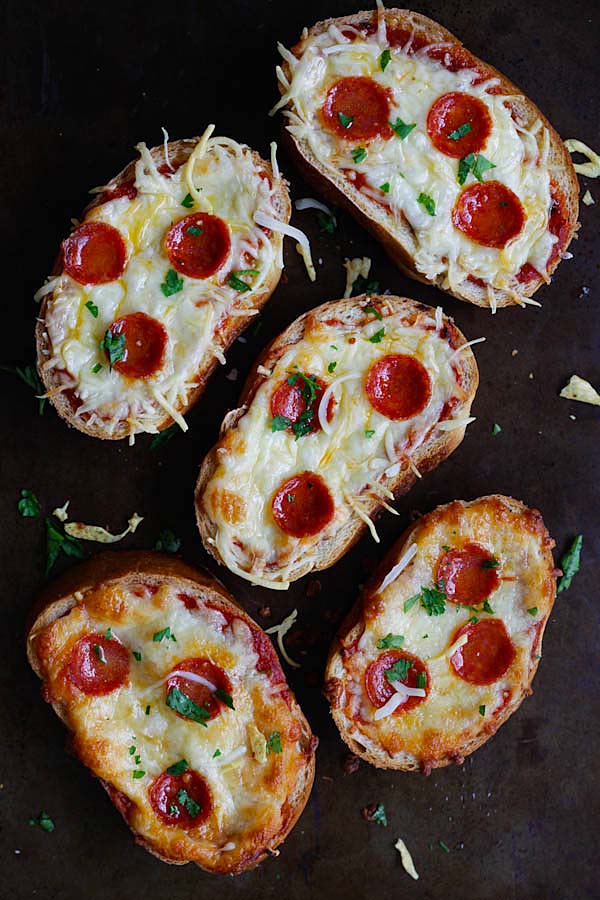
(378, 687)
(94, 253)
(198, 245)
(398, 386)
(145, 342)
(288, 400)
(489, 213)
(127, 189)
(469, 574)
(487, 654)
(188, 601)
(198, 693)
(558, 225)
(98, 665)
(448, 119)
(357, 108)
(303, 505)
(183, 800)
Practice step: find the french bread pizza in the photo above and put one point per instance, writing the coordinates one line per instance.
(169, 263)
(175, 699)
(459, 176)
(445, 639)
(341, 413)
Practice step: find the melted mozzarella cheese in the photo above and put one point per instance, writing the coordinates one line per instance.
(413, 166)
(227, 183)
(254, 460)
(451, 713)
(136, 715)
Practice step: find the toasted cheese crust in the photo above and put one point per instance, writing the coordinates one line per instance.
(361, 453)
(200, 314)
(129, 736)
(459, 710)
(401, 184)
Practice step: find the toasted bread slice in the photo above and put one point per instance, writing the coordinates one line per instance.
(487, 211)
(345, 410)
(446, 637)
(176, 701)
(166, 268)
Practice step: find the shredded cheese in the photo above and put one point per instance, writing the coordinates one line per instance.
(281, 630)
(311, 203)
(464, 346)
(360, 265)
(452, 424)
(581, 390)
(101, 535)
(60, 512)
(402, 563)
(590, 169)
(407, 862)
(588, 200)
(267, 221)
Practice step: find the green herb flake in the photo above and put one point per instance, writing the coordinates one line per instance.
(385, 187)
(235, 281)
(533, 610)
(487, 608)
(359, 154)
(138, 773)
(570, 564)
(216, 753)
(362, 285)
(445, 547)
(30, 377)
(427, 202)
(433, 601)
(109, 635)
(384, 59)
(376, 338)
(459, 132)
(147, 710)
(114, 345)
(274, 742)
(374, 312)
(481, 165)
(179, 702)
(399, 670)
(97, 368)
(137, 655)
(331, 367)
(390, 640)
(194, 231)
(167, 542)
(188, 201)
(401, 128)
(408, 604)
(280, 423)
(163, 436)
(444, 847)
(99, 652)
(172, 283)
(178, 768)
(496, 429)
(490, 563)
(225, 698)
(29, 505)
(482, 709)
(475, 163)
(163, 634)
(327, 221)
(56, 541)
(369, 432)
(379, 815)
(43, 821)
(131, 750)
(290, 498)
(92, 308)
(184, 799)
(421, 680)
(345, 121)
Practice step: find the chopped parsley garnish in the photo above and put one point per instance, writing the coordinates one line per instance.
(216, 753)
(56, 541)
(475, 163)
(309, 386)
(399, 670)
(374, 312)
(97, 368)
(379, 815)
(482, 709)
(236, 282)
(163, 436)
(401, 128)
(376, 338)
(496, 429)
(460, 131)
(444, 847)
(225, 698)
(384, 59)
(188, 201)
(490, 563)
(172, 283)
(345, 121)
(99, 652)
(333, 346)
(178, 768)
(31, 378)
(280, 423)
(487, 608)
(358, 154)
(137, 760)
(184, 799)
(304, 424)
(167, 541)
(43, 821)
(138, 773)
(570, 564)
(114, 345)
(29, 505)
(421, 680)
(427, 202)
(533, 610)
(362, 285)
(274, 742)
(179, 702)
(331, 367)
(194, 231)
(390, 640)
(109, 635)
(385, 187)
(92, 308)
(433, 601)
(163, 634)
(445, 547)
(408, 604)
(327, 221)
(137, 655)
(369, 432)
(147, 710)
(131, 750)
(174, 810)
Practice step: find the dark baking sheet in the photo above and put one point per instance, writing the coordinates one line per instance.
(82, 83)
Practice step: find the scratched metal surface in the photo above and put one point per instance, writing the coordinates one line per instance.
(81, 84)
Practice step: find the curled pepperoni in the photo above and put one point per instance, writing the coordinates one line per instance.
(200, 694)
(379, 688)
(469, 574)
(94, 253)
(288, 400)
(489, 213)
(303, 505)
(558, 225)
(487, 654)
(357, 108)
(398, 386)
(145, 342)
(459, 124)
(98, 665)
(198, 245)
(126, 189)
(184, 800)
